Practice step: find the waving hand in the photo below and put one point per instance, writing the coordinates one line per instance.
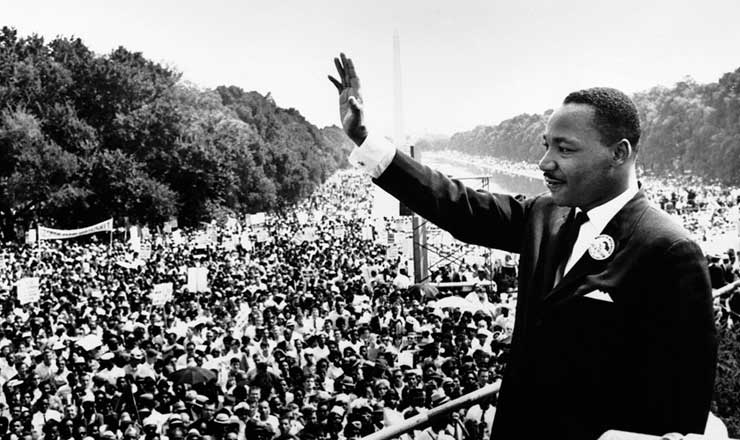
(350, 101)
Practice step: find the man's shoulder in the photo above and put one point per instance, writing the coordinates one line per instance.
(542, 207)
(658, 228)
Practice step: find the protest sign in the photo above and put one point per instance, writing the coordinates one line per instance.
(201, 241)
(257, 219)
(134, 238)
(262, 236)
(383, 237)
(145, 251)
(31, 236)
(28, 290)
(309, 234)
(198, 279)
(161, 294)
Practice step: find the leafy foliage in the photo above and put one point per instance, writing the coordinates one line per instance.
(727, 383)
(84, 137)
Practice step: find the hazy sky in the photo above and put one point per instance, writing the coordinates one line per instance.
(465, 63)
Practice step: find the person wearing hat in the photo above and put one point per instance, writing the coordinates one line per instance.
(108, 369)
(611, 289)
(218, 426)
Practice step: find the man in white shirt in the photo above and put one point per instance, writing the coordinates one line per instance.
(614, 324)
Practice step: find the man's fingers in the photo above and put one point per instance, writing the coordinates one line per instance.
(345, 64)
(340, 68)
(352, 78)
(336, 83)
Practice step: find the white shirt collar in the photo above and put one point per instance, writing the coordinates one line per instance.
(601, 215)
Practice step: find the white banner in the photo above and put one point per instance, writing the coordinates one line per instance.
(28, 290)
(61, 234)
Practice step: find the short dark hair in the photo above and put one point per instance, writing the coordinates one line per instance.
(615, 115)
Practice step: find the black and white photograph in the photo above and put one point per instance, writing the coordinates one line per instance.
(386, 220)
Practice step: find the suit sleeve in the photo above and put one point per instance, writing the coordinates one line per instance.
(683, 357)
(475, 217)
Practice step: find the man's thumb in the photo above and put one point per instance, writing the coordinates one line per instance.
(355, 104)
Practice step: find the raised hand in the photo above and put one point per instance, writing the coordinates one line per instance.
(350, 101)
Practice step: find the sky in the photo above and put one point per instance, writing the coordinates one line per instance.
(464, 63)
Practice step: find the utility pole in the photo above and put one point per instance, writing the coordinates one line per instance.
(419, 236)
(418, 224)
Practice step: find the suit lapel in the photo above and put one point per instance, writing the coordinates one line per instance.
(619, 228)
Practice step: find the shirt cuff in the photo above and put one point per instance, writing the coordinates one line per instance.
(373, 156)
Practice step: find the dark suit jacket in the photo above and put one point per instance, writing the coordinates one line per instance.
(579, 366)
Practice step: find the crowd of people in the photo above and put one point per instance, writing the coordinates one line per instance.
(308, 326)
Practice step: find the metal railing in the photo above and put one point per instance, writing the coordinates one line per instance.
(421, 421)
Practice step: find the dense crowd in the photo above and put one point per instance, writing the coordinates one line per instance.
(309, 327)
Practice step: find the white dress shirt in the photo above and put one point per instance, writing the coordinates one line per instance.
(598, 218)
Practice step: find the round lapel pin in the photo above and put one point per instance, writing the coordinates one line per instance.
(602, 247)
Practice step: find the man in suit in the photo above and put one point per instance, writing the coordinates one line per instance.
(614, 326)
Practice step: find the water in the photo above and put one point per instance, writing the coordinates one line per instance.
(500, 182)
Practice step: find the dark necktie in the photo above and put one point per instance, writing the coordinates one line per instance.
(569, 239)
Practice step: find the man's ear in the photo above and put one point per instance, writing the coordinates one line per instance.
(622, 151)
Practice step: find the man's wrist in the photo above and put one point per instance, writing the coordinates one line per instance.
(373, 155)
(360, 136)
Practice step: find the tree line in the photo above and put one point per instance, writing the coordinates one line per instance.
(689, 128)
(85, 137)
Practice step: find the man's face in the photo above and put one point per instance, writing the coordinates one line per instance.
(264, 409)
(284, 425)
(208, 410)
(577, 165)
